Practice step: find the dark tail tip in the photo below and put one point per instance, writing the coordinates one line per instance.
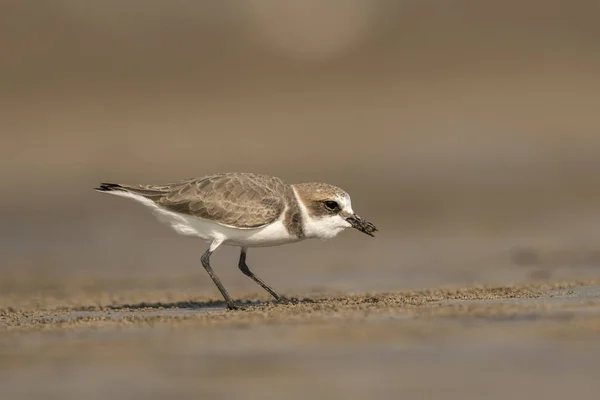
(108, 187)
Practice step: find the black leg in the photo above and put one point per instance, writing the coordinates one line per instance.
(246, 271)
(206, 264)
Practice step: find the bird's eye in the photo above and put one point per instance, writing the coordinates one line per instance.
(331, 205)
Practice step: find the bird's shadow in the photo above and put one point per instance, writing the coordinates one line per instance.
(201, 305)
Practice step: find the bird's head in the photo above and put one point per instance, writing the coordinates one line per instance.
(327, 211)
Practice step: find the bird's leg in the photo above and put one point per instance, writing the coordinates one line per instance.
(246, 271)
(206, 264)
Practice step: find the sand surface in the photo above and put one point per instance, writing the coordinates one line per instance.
(529, 341)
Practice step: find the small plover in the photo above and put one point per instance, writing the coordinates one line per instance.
(247, 210)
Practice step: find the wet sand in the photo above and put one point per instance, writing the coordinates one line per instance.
(540, 340)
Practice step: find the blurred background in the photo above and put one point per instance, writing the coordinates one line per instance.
(468, 131)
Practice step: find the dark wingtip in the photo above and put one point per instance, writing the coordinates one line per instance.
(107, 187)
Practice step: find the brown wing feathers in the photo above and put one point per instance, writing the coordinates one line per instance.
(234, 199)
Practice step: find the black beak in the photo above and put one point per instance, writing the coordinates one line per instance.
(362, 225)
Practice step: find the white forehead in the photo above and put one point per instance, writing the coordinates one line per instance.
(344, 202)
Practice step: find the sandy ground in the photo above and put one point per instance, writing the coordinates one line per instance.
(537, 340)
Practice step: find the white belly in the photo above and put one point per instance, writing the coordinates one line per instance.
(268, 235)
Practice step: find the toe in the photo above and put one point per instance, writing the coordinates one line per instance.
(285, 300)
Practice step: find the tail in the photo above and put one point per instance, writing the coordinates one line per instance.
(138, 190)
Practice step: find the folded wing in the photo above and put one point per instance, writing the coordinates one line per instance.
(232, 199)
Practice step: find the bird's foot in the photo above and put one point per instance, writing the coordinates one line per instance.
(285, 300)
